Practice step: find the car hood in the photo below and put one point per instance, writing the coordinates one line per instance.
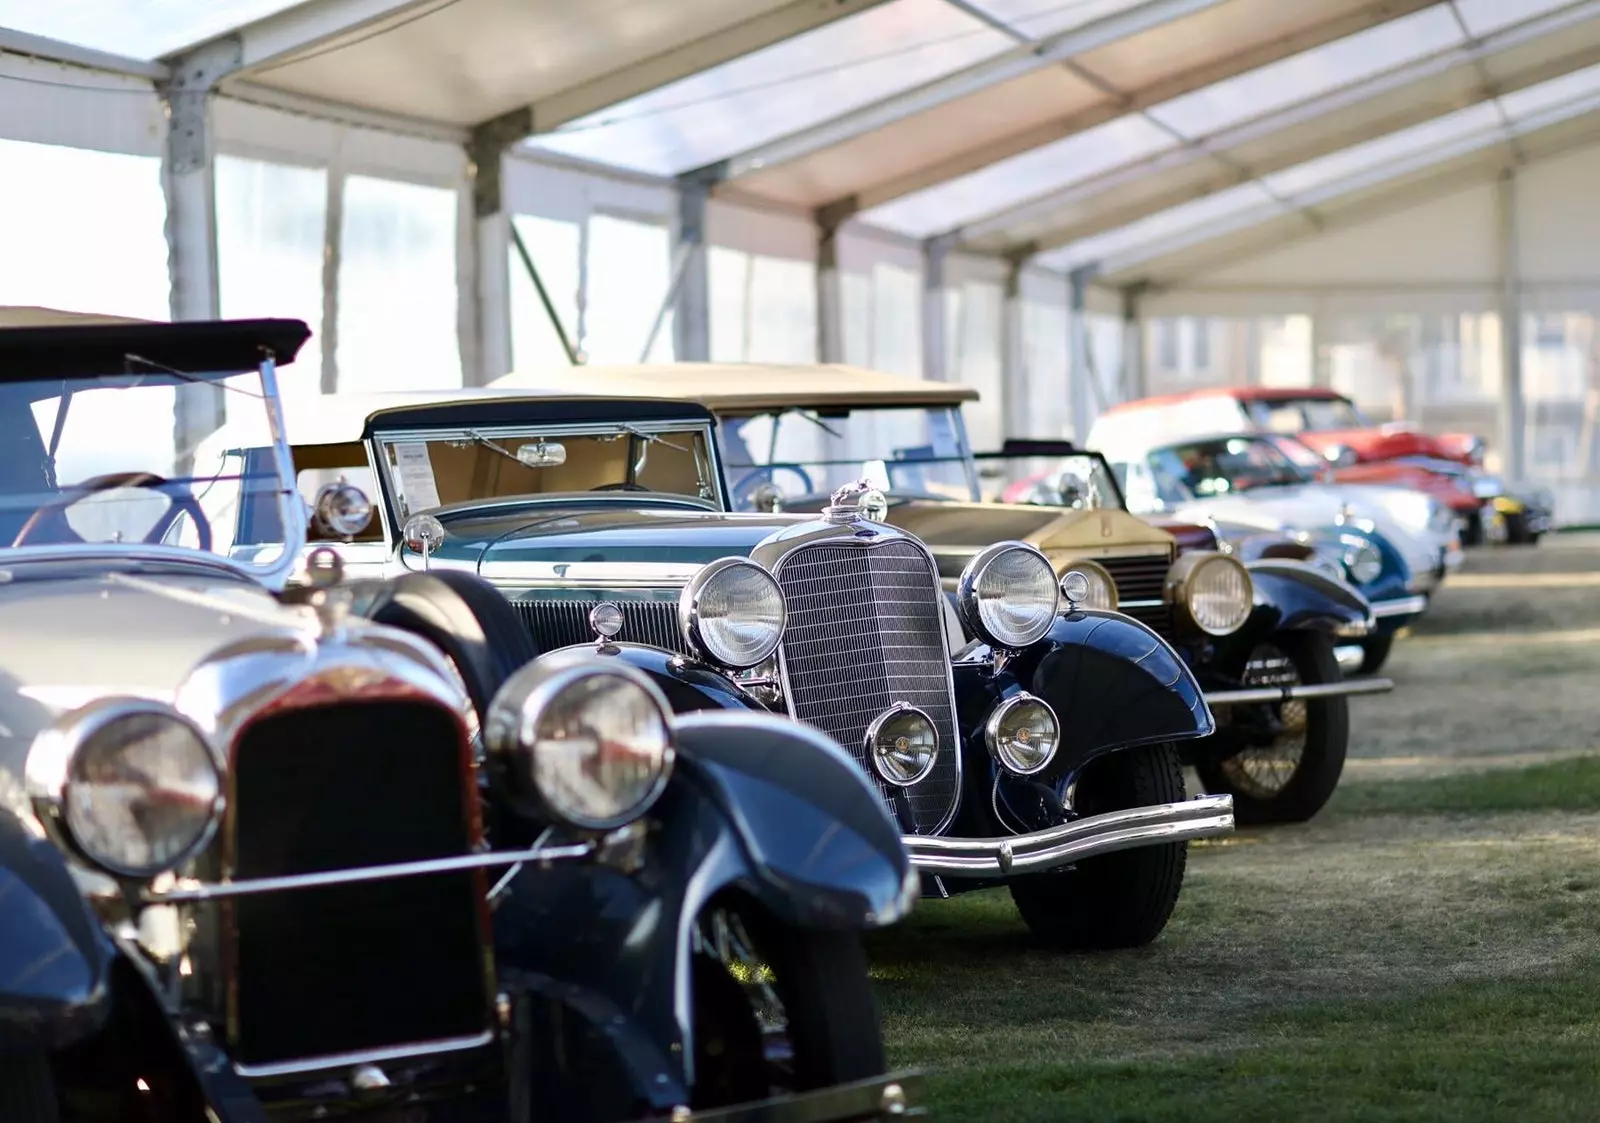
(67, 640)
(494, 542)
(957, 531)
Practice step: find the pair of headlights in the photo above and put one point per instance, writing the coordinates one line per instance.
(136, 787)
(1211, 592)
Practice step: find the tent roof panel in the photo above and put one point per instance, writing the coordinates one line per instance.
(141, 29)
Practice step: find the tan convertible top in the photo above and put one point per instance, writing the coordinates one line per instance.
(19, 317)
(743, 388)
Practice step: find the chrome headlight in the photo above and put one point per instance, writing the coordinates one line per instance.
(586, 743)
(1008, 595)
(1210, 592)
(733, 612)
(131, 785)
(902, 744)
(1362, 560)
(1022, 734)
(1087, 585)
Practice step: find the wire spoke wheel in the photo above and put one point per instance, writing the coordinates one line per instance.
(752, 1028)
(1264, 771)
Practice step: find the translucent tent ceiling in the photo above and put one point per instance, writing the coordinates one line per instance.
(1105, 133)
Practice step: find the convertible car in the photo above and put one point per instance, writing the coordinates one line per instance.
(1260, 634)
(1448, 467)
(264, 858)
(1014, 743)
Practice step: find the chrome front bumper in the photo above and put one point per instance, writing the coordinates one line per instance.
(896, 1096)
(1204, 816)
(1255, 694)
(1399, 606)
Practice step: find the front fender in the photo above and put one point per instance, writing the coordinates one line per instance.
(54, 956)
(758, 807)
(1113, 683)
(689, 686)
(1292, 596)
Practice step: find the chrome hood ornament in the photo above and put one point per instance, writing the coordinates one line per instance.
(858, 499)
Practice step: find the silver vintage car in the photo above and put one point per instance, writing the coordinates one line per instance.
(264, 855)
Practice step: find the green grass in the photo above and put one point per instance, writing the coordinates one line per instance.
(1426, 950)
(1567, 785)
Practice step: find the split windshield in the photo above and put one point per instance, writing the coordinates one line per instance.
(109, 461)
(798, 458)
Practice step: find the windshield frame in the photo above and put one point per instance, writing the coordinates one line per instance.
(1041, 450)
(291, 512)
(378, 435)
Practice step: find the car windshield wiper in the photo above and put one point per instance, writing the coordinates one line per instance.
(818, 422)
(488, 444)
(651, 437)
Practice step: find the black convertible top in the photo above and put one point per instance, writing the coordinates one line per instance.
(199, 347)
(535, 410)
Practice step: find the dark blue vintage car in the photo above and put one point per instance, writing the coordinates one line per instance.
(347, 849)
(1016, 741)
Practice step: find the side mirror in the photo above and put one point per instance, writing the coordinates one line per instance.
(423, 534)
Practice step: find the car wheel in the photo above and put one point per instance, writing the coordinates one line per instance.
(1117, 900)
(27, 1089)
(1517, 532)
(1472, 530)
(1375, 652)
(466, 618)
(1288, 779)
(777, 1009)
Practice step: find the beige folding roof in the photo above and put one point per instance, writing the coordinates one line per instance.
(742, 388)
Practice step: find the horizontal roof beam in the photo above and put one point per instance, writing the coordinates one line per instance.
(794, 18)
(1267, 125)
(1009, 64)
(1003, 148)
(314, 25)
(54, 50)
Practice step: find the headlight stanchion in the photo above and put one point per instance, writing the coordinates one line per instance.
(1008, 595)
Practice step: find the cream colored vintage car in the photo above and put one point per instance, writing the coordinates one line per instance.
(1260, 635)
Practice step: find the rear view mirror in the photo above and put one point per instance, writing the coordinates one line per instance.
(542, 454)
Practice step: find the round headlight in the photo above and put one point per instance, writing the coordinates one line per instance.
(1008, 595)
(1212, 592)
(733, 612)
(587, 744)
(132, 785)
(1363, 561)
(1087, 585)
(902, 744)
(1022, 734)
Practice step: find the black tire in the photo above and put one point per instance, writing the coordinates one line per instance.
(465, 617)
(1472, 531)
(1118, 900)
(1375, 652)
(1321, 761)
(27, 1089)
(833, 1029)
(1517, 532)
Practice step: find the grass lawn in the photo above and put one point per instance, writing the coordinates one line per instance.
(1425, 949)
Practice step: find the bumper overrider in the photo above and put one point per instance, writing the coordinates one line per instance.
(1202, 817)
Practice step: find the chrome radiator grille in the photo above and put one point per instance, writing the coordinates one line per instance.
(562, 623)
(865, 631)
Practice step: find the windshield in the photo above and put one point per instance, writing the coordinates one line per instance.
(440, 468)
(799, 458)
(1301, 415)
(1208, 468)
(104, 460)
(1081, 481)
(1301, 453)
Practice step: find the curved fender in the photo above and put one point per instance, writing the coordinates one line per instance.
(1296, 597)
(1113, 684)
(688, 685)
(758, 805)
(54, 956)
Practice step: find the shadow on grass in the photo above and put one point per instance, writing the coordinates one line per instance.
(1567, 785)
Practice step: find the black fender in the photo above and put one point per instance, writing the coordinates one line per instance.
(55, 958)
(1112, 682)
(688, 685)
(759, 808)
(1289, 597)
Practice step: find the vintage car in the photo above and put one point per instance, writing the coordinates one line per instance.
(1395, 545)
(1260, 635)
(1361, 451)
(1040, 754)
(256, 862)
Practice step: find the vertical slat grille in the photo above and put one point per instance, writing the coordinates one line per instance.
(865, 631)
(1142, 579)
(562, 623)
(364, 966)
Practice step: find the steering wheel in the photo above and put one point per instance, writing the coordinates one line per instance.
(50, 521)
(767, 472)
(619, 487)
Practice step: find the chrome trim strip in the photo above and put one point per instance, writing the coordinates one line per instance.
(1202, 817)
(1140, 604)
(1305, 690)
(187, 890)
(366, 1056)
(620, 574)
(1399, 606)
